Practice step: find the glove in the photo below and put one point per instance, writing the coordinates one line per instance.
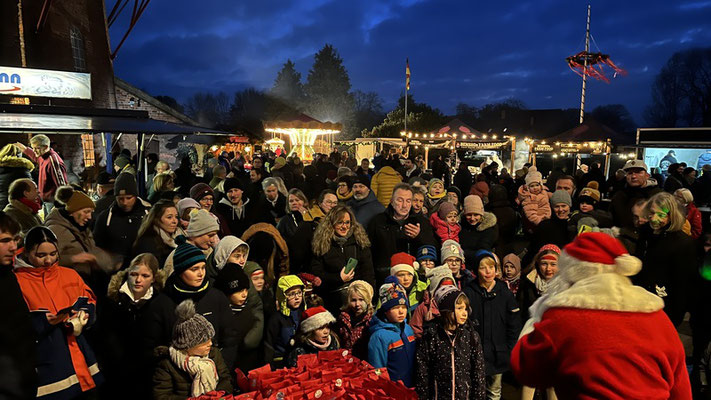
(78, 322)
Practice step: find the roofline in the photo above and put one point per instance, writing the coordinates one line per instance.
(153, 101)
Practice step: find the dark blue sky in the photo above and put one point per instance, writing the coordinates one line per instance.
(475, 52)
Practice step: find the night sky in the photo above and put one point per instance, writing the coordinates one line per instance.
(460, 51)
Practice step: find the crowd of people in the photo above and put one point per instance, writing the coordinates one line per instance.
(248, 261)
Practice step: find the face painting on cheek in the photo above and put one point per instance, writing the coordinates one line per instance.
(659, 218)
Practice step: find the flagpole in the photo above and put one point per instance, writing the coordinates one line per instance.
(407, 88)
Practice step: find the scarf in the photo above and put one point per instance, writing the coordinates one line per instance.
(345, 197)
(341, 240)
(125, 290)
(319, 346)
(235, 308)
(34, 206)
(541, 284)
(439, 196)
(179, 290)
(201, 369)
(168, 239)
(64, 213)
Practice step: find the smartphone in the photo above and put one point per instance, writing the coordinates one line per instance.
(350, 266)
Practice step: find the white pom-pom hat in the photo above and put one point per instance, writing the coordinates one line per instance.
(596, 253)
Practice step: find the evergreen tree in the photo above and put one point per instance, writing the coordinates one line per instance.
(421, 117)
(287, 86)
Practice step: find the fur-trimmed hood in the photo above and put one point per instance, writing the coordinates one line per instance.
(488, 220)
(16, 162)
(280, 242)
(120, 277)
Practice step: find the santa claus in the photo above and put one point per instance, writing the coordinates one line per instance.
(594, 335)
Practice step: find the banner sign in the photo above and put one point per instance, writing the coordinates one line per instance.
(543, 148)
(482, 145)
(567, 148)
(44, 83)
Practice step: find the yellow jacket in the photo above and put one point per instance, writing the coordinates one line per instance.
(383, 183)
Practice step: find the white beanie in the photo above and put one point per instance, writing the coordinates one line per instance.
(533, 176)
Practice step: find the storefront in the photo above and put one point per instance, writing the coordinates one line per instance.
(661, 147)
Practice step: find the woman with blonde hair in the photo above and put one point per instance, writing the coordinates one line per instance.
(693, 215)
(162, 183)
(296, 205)
(354, 320)
(12, 167)
(157, 232)
(341, 250)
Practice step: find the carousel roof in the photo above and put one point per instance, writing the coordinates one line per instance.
(302, 121)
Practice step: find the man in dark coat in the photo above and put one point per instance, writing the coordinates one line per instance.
(116, 228)
(637, 188)
(272, 202)
(364, 203)
(674, 179)
(463, 178)
(506, 217)
(395, 231)
(105, 189)
(18, 379)
(702, 187)
(236, 211)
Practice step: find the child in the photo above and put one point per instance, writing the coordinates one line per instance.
(445, 222)
(494, 307)
(427, 310)
(450, 362)
(435, 195)
(535, 283)
(453, 257)
(353, 322)
(588, 199)
(427, 258)
(314, 334)
(190, 367)
(266, 294)
(534, 199)
(230, 249)
(392, 341)
(453, 196)
(512, 272)
(402, 266)
(248, 321)
(282, 325)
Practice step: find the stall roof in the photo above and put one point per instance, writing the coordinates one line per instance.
(458, 127)
(591, 131)
(674, 137)
(46, 119)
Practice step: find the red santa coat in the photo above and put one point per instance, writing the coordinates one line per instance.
(596, 336)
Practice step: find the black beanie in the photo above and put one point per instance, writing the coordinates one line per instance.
(125, 185)
(232, 183)
(362, 179)
(231, 279)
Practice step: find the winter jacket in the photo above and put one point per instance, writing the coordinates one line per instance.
(66, 364)
(300, 252)
(115, 230)
(172, 383)
(702, 189)
(392, 347)
(365, 209)
(693, 215)
(416, 293)
(19, 350)
(328, 267)
(482, 236)
(507, 218)
(622, 202)
(499, 321)
(232, 224)
(527, 294)
(210, 302)
(450, 366)
(536, 207)
(23, 215)
(278, 336)
(673, 183)
(104, 202)
(51, 173)
(463, 180)
(383, 183)
(289, 224)
(354, 332)
(273, 212)
(152, 243)
(670, 268)
(248, 321)
(425, 312)
(444, 231)
(12, 169)
(268, 249)
(302, 348)
(73, 240)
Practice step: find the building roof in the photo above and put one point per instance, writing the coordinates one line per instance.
(153, 101)
(590, 131)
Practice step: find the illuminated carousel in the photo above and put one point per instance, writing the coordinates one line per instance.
(306, 135)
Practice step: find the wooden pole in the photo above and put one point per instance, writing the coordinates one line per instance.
(585, 66)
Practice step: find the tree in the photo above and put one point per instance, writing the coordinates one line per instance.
(681, 92)
(615, 116)
(421, 117)
(287, 86)
(328, 90)
(210, 110)
(171, 102)
(252, 106)
(368, 110)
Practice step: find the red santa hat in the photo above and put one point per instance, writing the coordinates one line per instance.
(595, 253)
(403, 262)
(315, 318)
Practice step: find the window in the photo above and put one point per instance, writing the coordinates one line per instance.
(87, 144)
(78, 49)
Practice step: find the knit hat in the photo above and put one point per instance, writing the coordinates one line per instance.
(590, 191)
(549, 247)
(455, 190)
(444, 209)
(105, 178)
(433, 181)
(285, 283)
(427, 252)
(315, 318)
(595, 253)
(391, 295)
(451, 248)
(233, 183)
(533, 176)
(122, 161)
(79, 201)
(225, 248)
(362, 179)
(253, 270)
(186, 255)
(480, 255)
(514, 260)
(446, 297)
(125, 185)
(201, 222)
(348, 180)
(480, 189)
(403, 262)
(279, 162)
(201, 190)
(231, 279)
(343, 171)
(437, 275)
(473, 205)
(184, 204)
(191, 328)
(561, 196)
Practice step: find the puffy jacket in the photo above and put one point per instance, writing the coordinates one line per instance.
(450, 367)
(443, 230)
(172, 383)
(115, 230)
(299, 244)
(480, 237)
(365, 209)
(289, 224)
(536, 207)
(383, 183)
(693, 215)
(499, 323)
(392, 347)
(12, 169)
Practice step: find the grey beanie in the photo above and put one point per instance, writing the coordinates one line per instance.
(451, 248)
(191, 328)
(561, 196)
(201, 222)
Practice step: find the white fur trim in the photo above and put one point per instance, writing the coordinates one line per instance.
(317, 321)
(402, 267)
(628, 265)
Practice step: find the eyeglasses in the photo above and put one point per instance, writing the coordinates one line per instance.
(331, 202)
(343, 223)
(456, 261)
(294, 295)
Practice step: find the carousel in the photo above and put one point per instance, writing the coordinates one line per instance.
(306, 135)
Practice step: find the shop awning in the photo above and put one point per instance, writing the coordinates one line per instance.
(674, 137)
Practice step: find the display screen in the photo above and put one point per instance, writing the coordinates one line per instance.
(661, 158)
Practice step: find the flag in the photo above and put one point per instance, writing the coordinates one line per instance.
(407, 74)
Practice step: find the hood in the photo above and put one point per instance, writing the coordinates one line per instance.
(488, 220)
(227, 245)
(120, 277)
(250, 267)
(285, 283)
(314, 213)
(376, 324)
(16, 162)
(20, 262)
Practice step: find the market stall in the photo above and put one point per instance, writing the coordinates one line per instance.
(663, 146)
(306, 135)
